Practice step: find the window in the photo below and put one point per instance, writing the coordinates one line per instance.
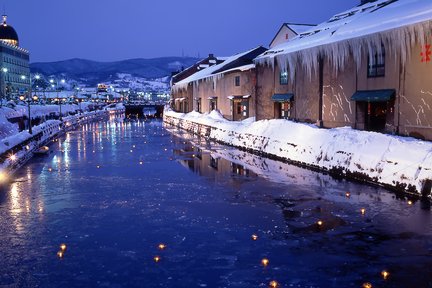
(376, 64)
(237, 81)
(213, 104)
(283, 78)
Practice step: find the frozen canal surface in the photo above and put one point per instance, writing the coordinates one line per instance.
(114, 191)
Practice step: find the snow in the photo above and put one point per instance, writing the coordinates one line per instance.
(141, 84)
(300, 28)
(385, 159)
(397, 23)
(55, 94)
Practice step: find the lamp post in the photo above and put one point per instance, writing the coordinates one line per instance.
(59, 101)
(4, 70)
(28, 100)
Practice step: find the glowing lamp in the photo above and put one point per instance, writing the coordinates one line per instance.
(141, 162)
(3, 177)
(347, 194)
(265, 262)
(50, 169)
(98, 166)
(254, 237)
(363, 211)
(131, 150)
(161, 246)
(410, 202)
(367, 285)
(385, 274)
(273, 284)
(320, 223)
(63, 247)
(13, 157)
(60, 254)
(156, 259)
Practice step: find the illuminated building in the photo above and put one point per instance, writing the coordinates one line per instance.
(14, 63)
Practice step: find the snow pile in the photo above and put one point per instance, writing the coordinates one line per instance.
(6, 127)
(37, 111)
(401, 162)
(397, 24)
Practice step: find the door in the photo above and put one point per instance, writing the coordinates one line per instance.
(376, 114)
(237, 110)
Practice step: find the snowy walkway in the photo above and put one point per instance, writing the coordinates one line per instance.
(399, 162)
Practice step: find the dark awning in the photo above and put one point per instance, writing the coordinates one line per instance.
(374, 95)
(282, 97)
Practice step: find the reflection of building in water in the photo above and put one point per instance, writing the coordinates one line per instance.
(206, 164)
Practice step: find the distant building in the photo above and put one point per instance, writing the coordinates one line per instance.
(288, 31)
(14, 63)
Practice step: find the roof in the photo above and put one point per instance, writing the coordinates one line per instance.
(238, 61)
(299, 28)
(362, 20)
(201, 64)
(7, 32)
(295, 28)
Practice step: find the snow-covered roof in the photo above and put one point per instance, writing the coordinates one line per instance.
(240, 68)
(300, 28)
(215, 69)
(54, 94)
(370, 19)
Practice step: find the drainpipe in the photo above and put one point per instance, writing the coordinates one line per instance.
(402, 78)
(321, 90)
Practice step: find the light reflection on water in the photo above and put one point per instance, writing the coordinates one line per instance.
(204, 201)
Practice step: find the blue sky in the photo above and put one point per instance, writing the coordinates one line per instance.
(107, 30)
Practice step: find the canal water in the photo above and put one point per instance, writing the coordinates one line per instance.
(114, 191)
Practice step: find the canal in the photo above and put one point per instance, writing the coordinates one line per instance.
(114, 191)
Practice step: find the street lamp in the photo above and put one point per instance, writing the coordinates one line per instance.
(59, 101)
(28, 100)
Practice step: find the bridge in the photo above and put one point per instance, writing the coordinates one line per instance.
(145, 108)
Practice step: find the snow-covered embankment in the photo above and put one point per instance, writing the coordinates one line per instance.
(17, 149)
(399, 162)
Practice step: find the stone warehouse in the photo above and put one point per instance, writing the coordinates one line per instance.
(351, 70)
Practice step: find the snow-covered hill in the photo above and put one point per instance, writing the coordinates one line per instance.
(91, 73)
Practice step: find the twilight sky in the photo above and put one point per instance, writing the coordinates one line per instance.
(107, 30)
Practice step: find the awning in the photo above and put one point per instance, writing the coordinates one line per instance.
(212, 98)
(374, 95)
(282, 97)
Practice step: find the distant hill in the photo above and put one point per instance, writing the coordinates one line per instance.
(92, 72)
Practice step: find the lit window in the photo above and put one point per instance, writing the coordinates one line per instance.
(283, 78)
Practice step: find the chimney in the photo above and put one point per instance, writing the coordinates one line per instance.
(211, 56)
